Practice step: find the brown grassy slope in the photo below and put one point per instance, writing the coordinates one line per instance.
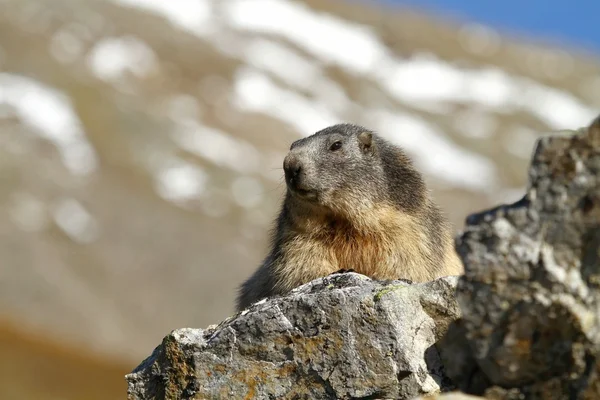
(31, 367)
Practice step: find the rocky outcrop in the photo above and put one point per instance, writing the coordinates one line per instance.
(340, 337)
(530, 294)
(449, 396)
(523, 322)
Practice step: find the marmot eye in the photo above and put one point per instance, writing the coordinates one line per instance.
(336, 146)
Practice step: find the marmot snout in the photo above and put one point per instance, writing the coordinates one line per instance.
(353, 201)
(296, 177)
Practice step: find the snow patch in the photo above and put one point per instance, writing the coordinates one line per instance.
(296, 71)
(217, 147)
(422, 82)
(333, 40)
(435, 154)
(50, 113)
(194, 16)
(281, 61)
(426, 79)
(181, 181)
(72, 217)
(112, 57)
(256, 92)
(558, 109)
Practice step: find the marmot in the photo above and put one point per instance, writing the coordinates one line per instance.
(354, 201)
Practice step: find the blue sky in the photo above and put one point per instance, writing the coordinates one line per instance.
(575, 22)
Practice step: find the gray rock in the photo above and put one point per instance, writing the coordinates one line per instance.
(344, 336)
(530, 294)
(448, 396)
(529, 299)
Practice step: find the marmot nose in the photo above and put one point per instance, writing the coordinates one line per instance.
(291, 167)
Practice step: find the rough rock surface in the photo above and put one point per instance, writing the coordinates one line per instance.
(530, 294)
(449, 396)
(344, 336)
(529, 305)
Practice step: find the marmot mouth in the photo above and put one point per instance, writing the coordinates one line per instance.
(303, 194)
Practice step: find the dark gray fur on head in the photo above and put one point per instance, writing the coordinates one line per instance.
(364, 164)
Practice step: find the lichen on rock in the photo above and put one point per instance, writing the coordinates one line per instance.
(344, 336)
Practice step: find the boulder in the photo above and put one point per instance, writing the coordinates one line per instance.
(523, 322)
(344, 336)
(530, 294)
(449, 396)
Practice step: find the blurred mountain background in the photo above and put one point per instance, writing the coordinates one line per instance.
(141, 144)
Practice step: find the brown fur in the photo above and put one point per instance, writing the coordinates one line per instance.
(374, 249)
(357, 231)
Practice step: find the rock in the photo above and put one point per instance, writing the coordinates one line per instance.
(525, 323)
(449, 396)
(530, 294)
(344, 336)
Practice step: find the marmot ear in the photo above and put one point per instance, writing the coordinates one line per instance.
(365, 141)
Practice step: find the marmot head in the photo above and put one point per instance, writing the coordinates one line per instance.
(338, 168)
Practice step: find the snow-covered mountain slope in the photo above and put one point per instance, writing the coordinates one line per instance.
(142, 140)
